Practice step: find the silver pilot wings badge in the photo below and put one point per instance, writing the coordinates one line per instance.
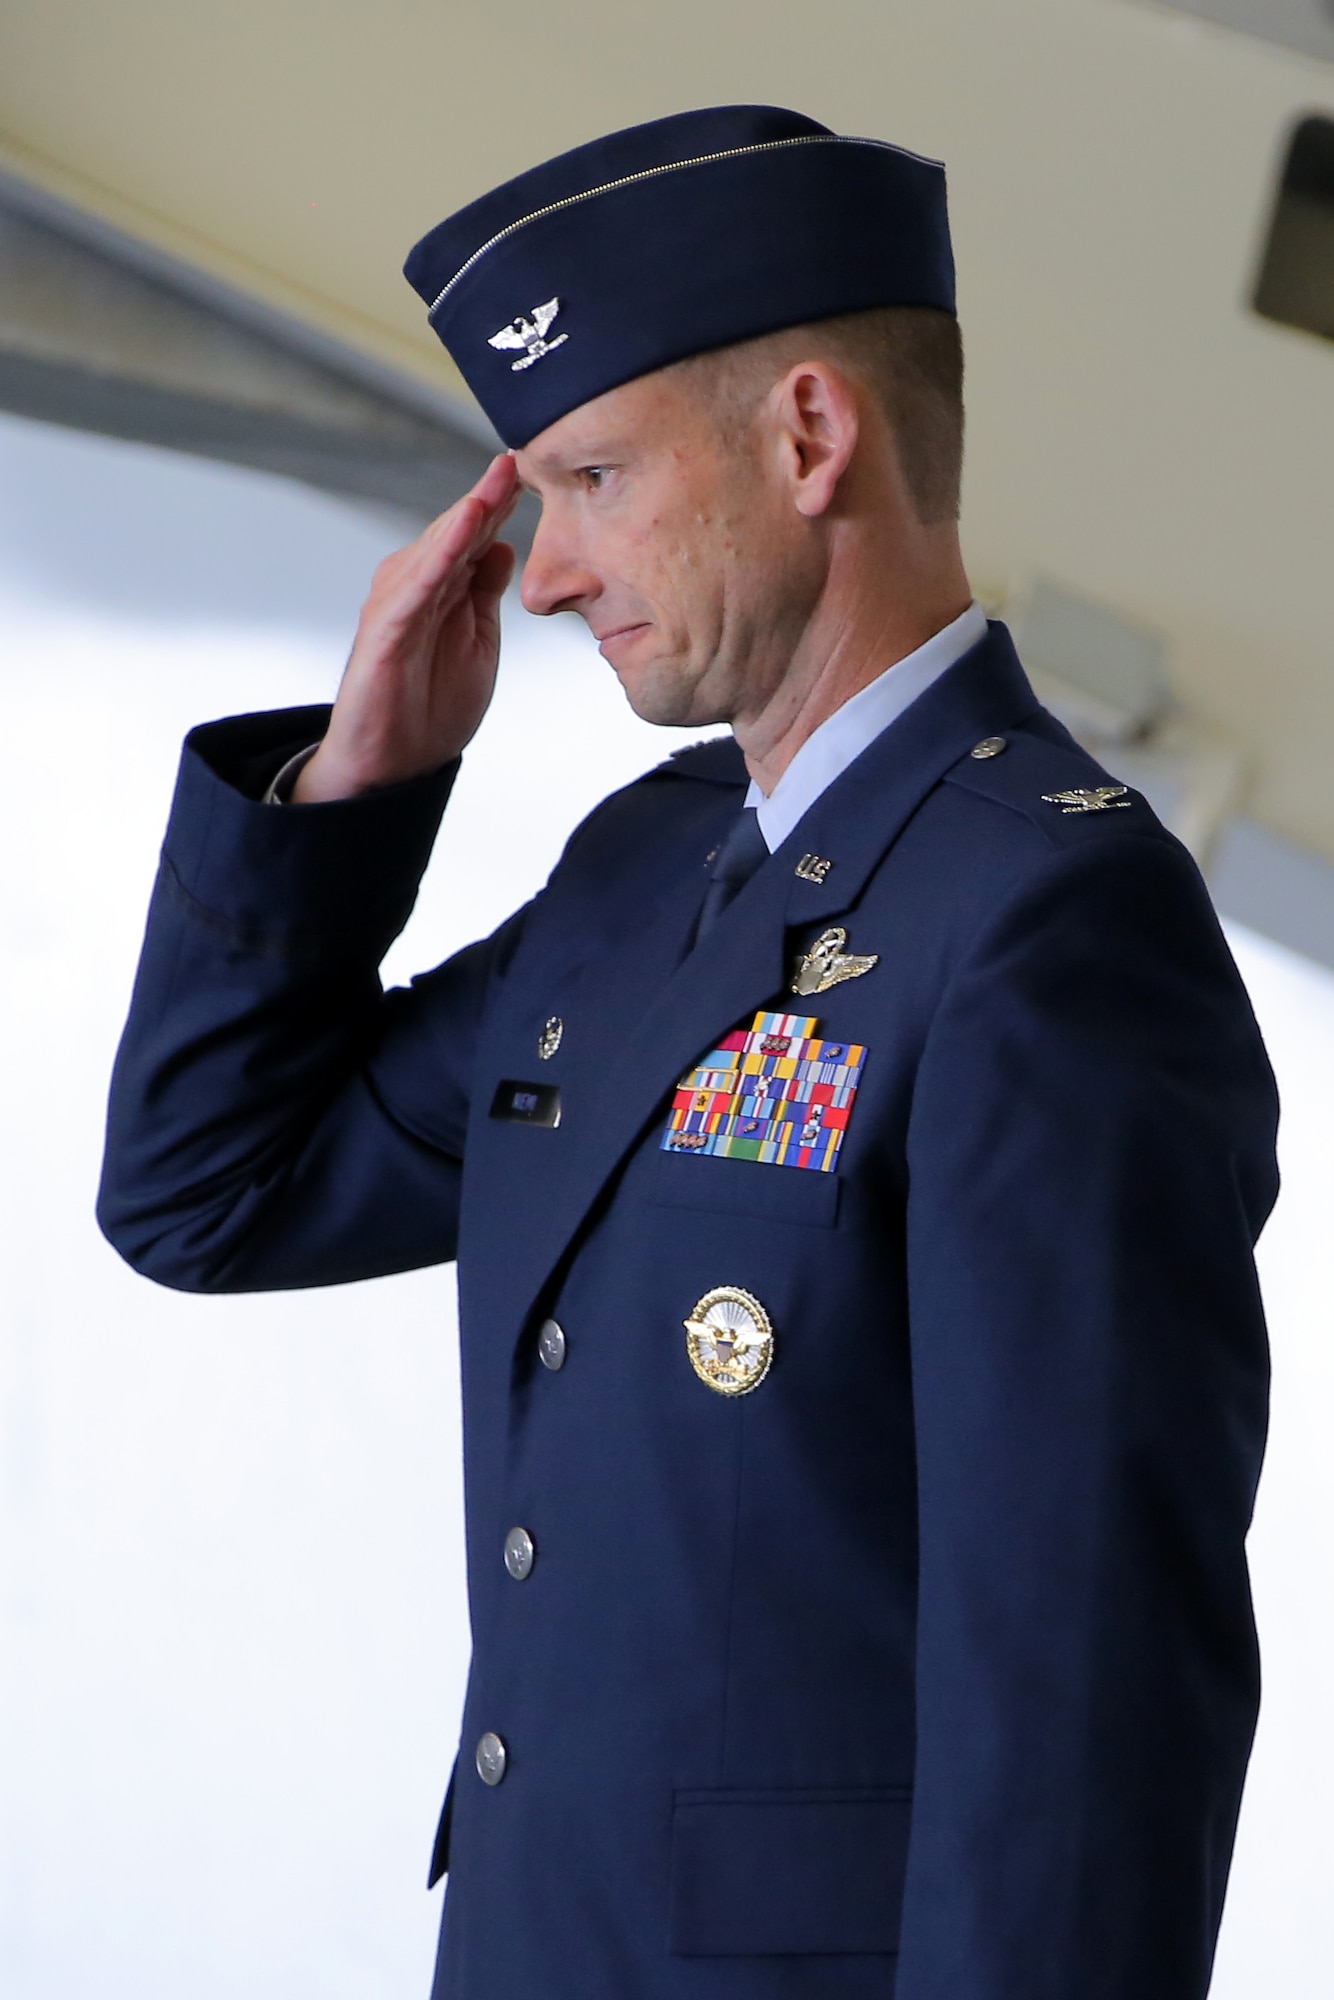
(826, 964)
(530, 334)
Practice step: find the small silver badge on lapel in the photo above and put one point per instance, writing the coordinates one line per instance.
(530, 335)
(826, 964)
(730, 1340)
(549, 1040)
(1101, 799)
(813, 867)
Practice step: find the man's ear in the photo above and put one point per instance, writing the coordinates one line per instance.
(818, 424)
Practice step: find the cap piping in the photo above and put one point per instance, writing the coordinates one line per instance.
(653, 173)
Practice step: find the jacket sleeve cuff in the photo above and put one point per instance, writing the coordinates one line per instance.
(347, 866)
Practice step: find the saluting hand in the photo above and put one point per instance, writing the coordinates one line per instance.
(422, 669)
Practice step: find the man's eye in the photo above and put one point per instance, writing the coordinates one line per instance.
(595, 477)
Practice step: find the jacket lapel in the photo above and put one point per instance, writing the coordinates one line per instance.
(658, 1012)
(855, 822)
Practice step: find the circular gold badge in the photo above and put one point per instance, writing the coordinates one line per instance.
(730, 1340)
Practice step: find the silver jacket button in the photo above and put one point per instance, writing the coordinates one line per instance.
(492, 1758)
(519, 1553)
(990, 746)
(551, 1345)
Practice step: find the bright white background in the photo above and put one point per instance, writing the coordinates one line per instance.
(232, 1628)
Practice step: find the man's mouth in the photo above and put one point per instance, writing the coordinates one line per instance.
(618, 633)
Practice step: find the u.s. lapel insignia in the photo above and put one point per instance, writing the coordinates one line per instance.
(812, 867)
(826, 964)
(730, 1340)
(1098, 799)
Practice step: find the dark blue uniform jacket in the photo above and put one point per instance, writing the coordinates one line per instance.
(927, 1668)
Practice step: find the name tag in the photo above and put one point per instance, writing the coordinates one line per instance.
(526, 1103)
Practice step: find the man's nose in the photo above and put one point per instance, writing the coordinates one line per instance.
(555, 577)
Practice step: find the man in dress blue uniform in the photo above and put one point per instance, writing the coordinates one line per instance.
(853, 1156)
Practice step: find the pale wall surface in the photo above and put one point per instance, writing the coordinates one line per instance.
(1135, 430)
(233, 1632)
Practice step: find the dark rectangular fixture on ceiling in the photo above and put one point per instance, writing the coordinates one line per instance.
(1307, 25)
(1296, 281)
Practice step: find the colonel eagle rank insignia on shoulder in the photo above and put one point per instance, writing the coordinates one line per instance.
(1088, 799)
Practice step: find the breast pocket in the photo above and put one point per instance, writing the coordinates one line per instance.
(746, 1187)
(766, 1872)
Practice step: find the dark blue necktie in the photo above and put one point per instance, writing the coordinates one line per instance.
(733, 865)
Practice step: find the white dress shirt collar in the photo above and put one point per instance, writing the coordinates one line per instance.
(842, 736)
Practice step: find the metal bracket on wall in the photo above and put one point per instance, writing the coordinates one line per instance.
(102, 333)
(1306, 25)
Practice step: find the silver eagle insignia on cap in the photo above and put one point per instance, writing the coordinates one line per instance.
(530, 335)
(1097, 799)
(826, 964)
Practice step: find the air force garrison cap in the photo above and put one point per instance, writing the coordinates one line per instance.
(669, 239)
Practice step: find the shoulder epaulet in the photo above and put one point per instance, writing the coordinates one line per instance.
(717, 761)
(1052, 782)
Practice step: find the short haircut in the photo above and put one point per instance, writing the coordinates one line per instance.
(910, 356)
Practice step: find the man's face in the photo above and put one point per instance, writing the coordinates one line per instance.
(677, 543)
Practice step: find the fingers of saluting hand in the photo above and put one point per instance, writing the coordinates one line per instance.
(423, 663)
(438, 570)
(461, 536)
(450, 565)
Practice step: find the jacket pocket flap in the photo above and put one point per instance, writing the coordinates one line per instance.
(747, 1187)
(817, 1871)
